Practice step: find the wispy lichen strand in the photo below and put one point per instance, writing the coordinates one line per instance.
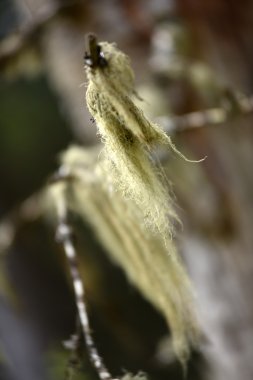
(128, 137)
(142, 254)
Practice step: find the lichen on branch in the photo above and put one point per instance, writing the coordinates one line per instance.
(159, 276)
(129, 138)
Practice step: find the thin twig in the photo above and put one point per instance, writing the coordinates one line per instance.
(64, 235)
(212, 116)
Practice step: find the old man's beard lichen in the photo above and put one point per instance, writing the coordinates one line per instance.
(129, 137)
(141, 254)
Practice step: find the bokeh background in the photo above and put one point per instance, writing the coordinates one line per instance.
(188, 55)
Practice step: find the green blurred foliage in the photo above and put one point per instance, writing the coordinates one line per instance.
(32, 132)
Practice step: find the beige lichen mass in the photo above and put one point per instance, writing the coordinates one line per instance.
(151, 265)
(129, 137)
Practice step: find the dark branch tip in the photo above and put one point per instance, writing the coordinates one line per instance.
(93, 56)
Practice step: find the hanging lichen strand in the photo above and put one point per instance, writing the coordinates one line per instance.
(128, 137)
(141, 254)
(139, 212)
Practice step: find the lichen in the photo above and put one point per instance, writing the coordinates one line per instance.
(129, 138)
(153, 267)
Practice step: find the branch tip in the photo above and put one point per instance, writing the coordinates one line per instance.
(93, 56)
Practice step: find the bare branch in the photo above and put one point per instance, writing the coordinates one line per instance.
(208, 117)
(64, 235)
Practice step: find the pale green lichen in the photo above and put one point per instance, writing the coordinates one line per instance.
(129, 138)
(159, 276)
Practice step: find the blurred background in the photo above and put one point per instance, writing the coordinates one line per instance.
(188, 56)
